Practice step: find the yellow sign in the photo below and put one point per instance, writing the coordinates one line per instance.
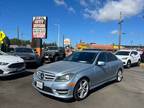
(2, 36)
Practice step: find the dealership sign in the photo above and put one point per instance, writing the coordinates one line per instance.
(39, 27)
(67, 41)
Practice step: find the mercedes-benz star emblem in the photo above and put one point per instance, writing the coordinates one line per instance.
(42, 75)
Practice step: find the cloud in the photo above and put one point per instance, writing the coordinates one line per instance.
(112, 8)
(63, 3)
(114, 32)
(71, 9)
(92, 31)
(83, 3)
(60, 2)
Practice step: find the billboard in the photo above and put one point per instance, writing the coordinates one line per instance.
(67, 41)
(39, 27)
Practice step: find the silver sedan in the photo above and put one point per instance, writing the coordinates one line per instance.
(77, 74)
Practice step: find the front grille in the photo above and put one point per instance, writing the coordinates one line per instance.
(28, 58)
(46, 76)
(16, 65)
(1, 71)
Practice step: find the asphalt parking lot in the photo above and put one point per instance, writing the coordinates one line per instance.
(17, 92)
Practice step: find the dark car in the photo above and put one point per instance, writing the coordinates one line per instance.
(53, 53)
(28, 55)
(142, 57)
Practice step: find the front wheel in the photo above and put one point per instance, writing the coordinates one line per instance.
(81, 89)
(119, 76)
(128, 64)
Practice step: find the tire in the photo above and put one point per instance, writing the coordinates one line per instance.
(138, 63)
(56, 58)
(128, 64)
(119, 76)
(81, 89)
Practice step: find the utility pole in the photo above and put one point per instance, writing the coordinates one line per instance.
(17, 35)
(120, 30)
(63, 40)
(17, 32)
(58, 33)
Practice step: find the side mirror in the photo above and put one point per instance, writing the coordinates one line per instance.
(101, 63)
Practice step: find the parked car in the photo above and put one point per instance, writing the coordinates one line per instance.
(10, 65)
(28, 54)
(142, 57)
(53, 53)
(129, 57)
(77, 74)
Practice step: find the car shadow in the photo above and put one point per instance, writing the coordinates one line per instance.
(73, 100)
(31, 66)
(101, 87)
(17, 76)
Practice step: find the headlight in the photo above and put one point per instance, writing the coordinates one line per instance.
(64, 78)
(125, 58)
(3, 63)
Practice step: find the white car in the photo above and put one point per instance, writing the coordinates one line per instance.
(129, 57)
(10, 65)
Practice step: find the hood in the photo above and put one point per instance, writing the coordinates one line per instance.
(120, 56)
(10, 59)
(24, 54)
(64, 67)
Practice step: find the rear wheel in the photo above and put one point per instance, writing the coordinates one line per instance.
(128, 64)
(81, 89)
(119, 76)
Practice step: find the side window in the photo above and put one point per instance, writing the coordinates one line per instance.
(111, 57)
(132, 53)
(135, 53)
(102, 57)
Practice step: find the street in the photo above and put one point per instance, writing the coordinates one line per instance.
(17, 92)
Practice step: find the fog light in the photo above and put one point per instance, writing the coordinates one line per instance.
(62, 92)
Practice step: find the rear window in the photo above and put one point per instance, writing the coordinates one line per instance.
(124, 53)
(23, 50)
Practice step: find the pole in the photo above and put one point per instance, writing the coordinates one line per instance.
(18, 35)
(63, 40)
(58, 34)
(120, 30)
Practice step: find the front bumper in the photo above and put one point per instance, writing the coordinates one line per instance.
(9, 71)
(56, 89)
(124, 61)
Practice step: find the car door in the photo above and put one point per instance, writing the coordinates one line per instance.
(112, 63)
(133, 57)
(137, 56)
(101, 71)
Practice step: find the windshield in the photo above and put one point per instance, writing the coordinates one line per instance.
(23, 50)
(2, 53)
(52, 48)
(83, 57)
(124, 53)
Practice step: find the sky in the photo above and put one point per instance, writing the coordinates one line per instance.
(92, 21)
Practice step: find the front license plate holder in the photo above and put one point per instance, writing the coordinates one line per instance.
(39, 85)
